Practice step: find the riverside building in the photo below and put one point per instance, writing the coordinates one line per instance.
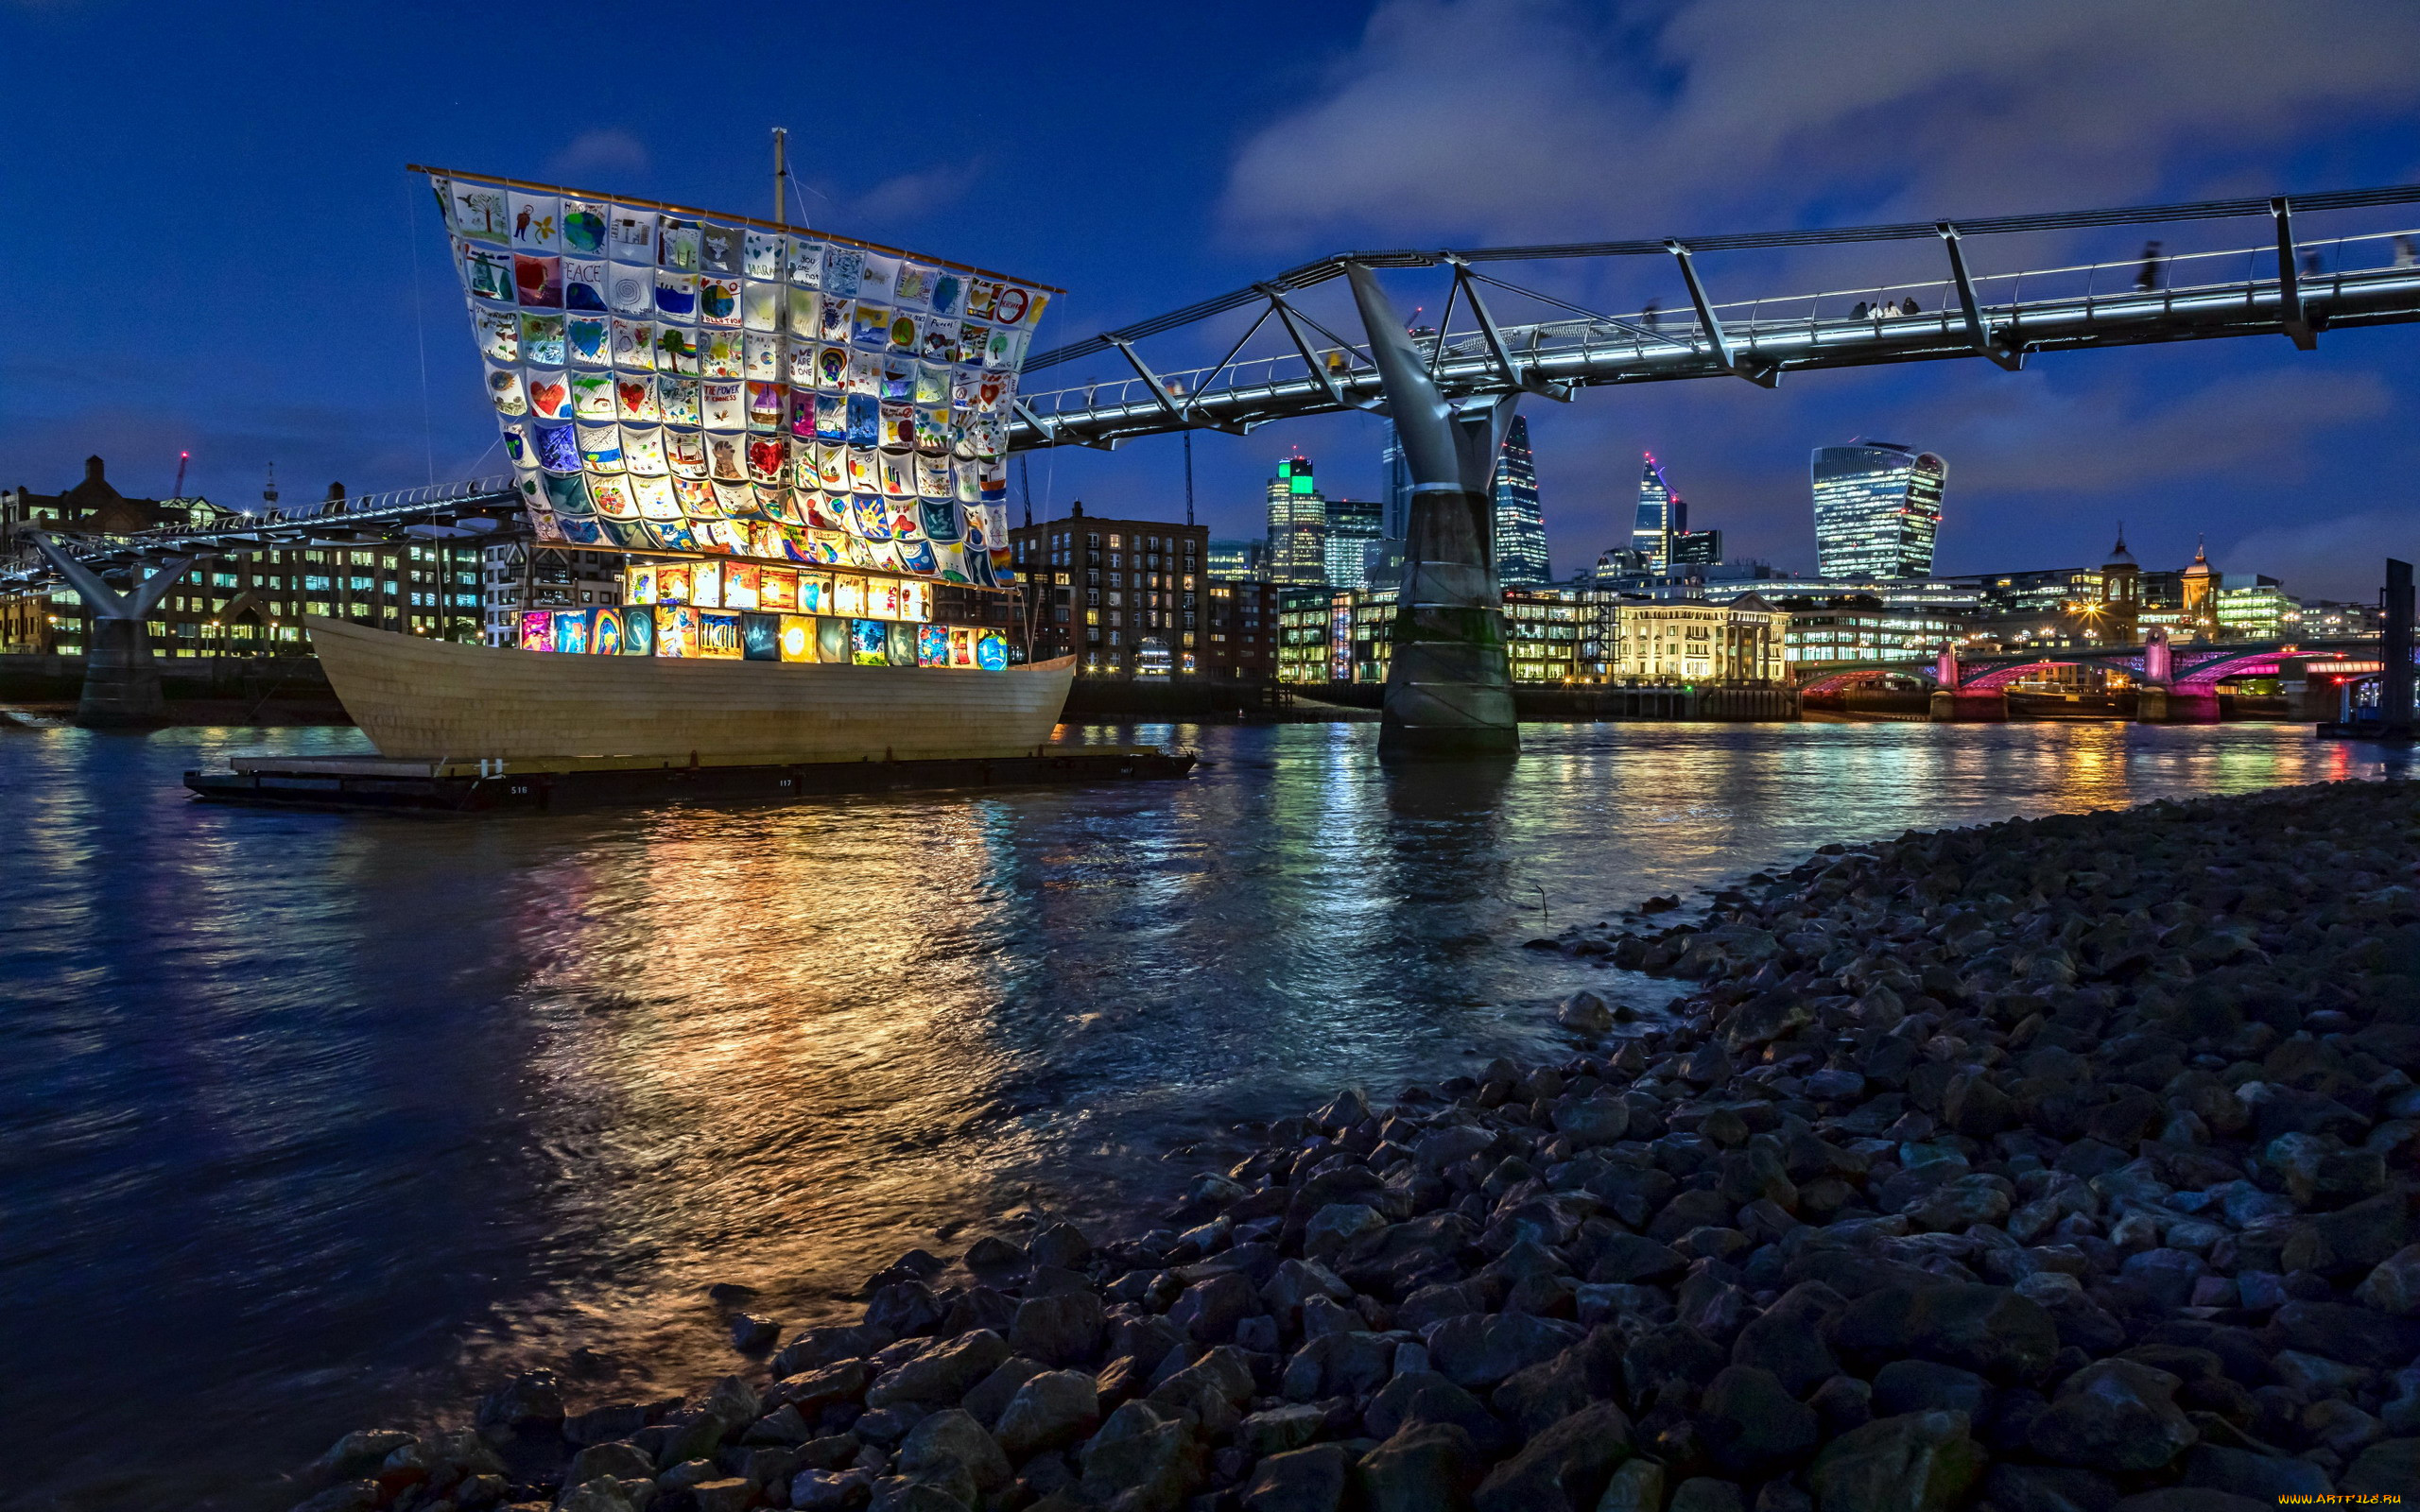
(247, 605)
(1118, 595)
(1878, 510)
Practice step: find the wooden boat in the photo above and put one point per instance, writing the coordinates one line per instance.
(440, 700)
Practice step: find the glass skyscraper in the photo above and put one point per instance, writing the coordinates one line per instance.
(1520, 530)
(1877, 508)
(1661, 516)
(1394, 475)
(1352, 530)
(1297, 525)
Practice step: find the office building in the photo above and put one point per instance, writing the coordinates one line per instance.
(1543, 628)
(1738, 643)
(1355, 527)
(2257, 610)
(1661, 514)
(1297, 525)
(1878, 510)
(1867, 632)
(1395, 485)
(1123, 597)
(1694, 548)
(1239, 561)
(1520, 530)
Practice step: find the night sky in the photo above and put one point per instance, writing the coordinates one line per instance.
(216, 247)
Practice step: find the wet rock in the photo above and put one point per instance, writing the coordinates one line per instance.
(1630, 1260)
(1061, 1329)
(1704, 1493)
(1563, 1469)
(2392, 1467)
(1278, 1430)
(1635, 1485)
(1788, 1338)
(2394, 1286)
(1989, 1330)
(1754, 1425)
(1423, 1468)
(531, 1400)
(950, 1443)
(751, 1334)
(1918, 1462)
(1338, 1364)
(943, 1374)
(1142, 1461)
(818, 1348)
(357, 1454)
(1922, 1386)
(2047, 1489)
(2114, 1415)
(2353, 1334)
(1053, 1410)
(1303, 1480)
(1478, 1350)
(2261, 1477)
(1335, 1227)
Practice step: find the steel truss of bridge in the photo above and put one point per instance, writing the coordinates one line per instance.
(2297, 280)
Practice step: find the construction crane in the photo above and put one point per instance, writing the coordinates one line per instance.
(179, 492)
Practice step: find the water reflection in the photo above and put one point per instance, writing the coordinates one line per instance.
(373, 1108)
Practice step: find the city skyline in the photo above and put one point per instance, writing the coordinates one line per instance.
(2179, 440)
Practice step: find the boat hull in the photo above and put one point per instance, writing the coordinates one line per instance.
(435, 700)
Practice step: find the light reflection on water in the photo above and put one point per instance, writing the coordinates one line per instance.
(307, 1121)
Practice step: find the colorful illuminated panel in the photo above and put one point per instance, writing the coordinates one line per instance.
(671, 381)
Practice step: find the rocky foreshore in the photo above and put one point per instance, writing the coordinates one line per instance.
(2062, 1165)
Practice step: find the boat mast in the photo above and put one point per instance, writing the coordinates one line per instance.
(781, 177)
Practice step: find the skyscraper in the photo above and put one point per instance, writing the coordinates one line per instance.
(1353, 528)
(1297, 525)
(1520, 530)
(1877, 508)
(1395, 485)
(1661, 515)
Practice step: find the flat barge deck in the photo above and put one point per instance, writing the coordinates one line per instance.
(604, 782)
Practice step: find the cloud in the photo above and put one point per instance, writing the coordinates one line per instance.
(607, 149)
(1557, 118)
(910, 196)
(2340, 558)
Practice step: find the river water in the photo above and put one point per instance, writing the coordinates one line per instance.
(313, 1122)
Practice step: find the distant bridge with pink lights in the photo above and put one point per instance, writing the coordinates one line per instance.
(2178, 683)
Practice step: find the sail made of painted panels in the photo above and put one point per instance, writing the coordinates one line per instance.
(679, 381)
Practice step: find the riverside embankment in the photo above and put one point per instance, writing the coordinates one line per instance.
(2054, 1164)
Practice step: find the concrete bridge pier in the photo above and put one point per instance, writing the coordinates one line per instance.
(121, 677)
(2176, 706)
(1968, 706)
(1449, 683)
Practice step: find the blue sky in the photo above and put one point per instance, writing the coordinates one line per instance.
(218, 250)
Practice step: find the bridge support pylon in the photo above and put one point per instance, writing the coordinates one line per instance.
(121, 677)
(2176, 706)
(1968, 706)
(1449, 680)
